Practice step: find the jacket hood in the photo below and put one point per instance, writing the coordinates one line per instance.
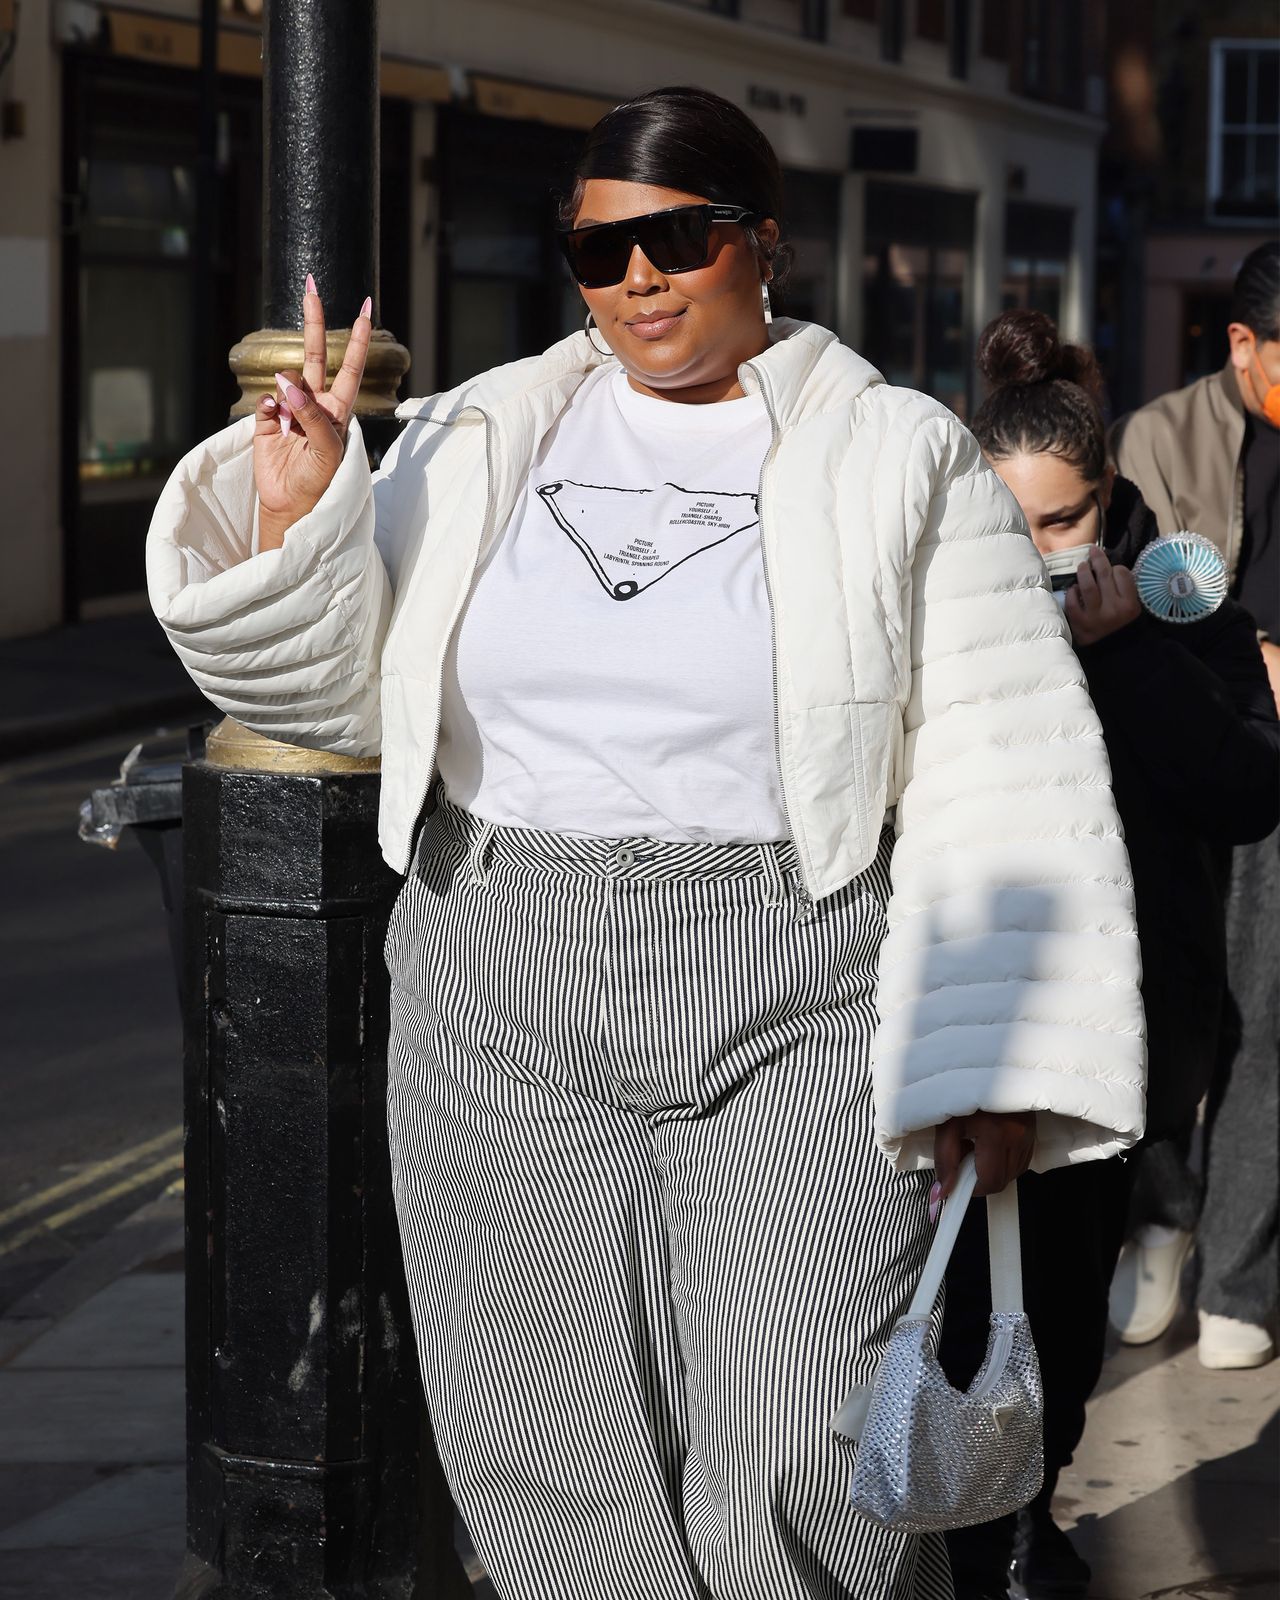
(805, 371)
(1130, 524)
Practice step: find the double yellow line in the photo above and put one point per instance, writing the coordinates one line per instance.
(170, 1161)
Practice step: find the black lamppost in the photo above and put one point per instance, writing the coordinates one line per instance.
(310, 1472)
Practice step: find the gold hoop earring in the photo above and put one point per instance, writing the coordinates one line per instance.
(588, 325)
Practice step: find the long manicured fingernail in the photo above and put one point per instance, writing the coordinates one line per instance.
(935, 1202)
(366, 310)
(311, 284)
(295, 396)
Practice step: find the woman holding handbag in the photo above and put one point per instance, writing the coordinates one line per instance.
(738, 762)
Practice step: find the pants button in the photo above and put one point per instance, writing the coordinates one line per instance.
(626, 857)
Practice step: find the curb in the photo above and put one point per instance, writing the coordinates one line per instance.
(34, 735)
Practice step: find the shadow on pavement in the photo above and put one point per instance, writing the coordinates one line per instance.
(1229, 1502)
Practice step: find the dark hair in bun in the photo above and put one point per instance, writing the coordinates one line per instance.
(1046, 396)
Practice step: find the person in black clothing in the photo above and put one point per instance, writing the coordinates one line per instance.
(1191, 731)
(1208, 457)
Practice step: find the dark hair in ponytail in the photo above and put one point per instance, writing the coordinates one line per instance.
(693, 140)
(1046, 396)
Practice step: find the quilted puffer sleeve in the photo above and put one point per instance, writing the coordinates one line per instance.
(1010, 972)
(286, 641)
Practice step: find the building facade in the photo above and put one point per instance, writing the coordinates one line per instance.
(1190, 178)
(940, 160)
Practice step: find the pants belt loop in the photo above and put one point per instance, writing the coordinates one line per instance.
(477, 856)
(775, 881)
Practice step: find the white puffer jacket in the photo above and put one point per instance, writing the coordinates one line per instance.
(921, 663)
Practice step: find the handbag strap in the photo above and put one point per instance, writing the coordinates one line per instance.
(1003, 1239)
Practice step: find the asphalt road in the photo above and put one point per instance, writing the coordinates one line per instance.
(90, 1064)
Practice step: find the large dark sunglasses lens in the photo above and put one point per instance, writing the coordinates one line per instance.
(676, 242)
(598, 256)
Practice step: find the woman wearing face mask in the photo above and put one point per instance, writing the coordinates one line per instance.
(1192, 736)
(672, 637)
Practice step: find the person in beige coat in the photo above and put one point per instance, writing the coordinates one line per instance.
(1207, 458)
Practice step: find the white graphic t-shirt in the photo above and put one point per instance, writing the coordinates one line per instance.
(613, 670)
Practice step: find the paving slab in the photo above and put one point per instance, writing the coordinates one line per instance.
(91, 1573)
(135, 1322)
(117, 1416)
(88, 678)
(139, 1507)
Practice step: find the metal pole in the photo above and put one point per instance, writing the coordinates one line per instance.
(320, 200)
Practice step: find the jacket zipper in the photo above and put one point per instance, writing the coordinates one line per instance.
(803, 893)
(490, 446)
(1235, 532)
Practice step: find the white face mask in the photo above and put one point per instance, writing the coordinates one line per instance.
(1066, 563)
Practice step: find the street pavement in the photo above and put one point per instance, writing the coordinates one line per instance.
(1174, 1493)
(92, 1075)
(79, 682)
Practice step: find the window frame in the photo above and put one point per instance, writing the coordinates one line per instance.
(1213, 199)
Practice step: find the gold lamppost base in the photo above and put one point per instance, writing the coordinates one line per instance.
(260, 355)
(231, 744)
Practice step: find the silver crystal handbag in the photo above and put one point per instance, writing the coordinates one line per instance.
(930, 1457)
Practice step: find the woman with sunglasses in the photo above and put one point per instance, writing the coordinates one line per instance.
(737, 758)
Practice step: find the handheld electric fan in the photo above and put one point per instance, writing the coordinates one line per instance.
(1181, 577)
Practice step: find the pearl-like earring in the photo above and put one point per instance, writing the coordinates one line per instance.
(764, 299)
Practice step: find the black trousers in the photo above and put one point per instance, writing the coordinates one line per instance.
(1073, 1225)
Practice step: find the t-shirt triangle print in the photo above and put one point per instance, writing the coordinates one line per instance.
(632, 538)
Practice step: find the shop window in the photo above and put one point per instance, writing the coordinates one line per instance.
(917, 290)
(1244, 137)
(1037, 256)
(505, 291)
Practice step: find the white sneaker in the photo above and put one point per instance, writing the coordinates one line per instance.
(1227, 1342)
(1144, 1290)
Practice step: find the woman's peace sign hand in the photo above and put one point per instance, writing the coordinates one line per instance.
(300, 431)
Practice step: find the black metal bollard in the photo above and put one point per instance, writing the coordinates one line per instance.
(305, 1448)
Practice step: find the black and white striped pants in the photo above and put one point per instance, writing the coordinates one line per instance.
(649, 1243)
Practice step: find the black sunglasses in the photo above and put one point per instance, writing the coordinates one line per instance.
(678, 240)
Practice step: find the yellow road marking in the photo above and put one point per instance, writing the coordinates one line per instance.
(92, 1203)
(91, 1174)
